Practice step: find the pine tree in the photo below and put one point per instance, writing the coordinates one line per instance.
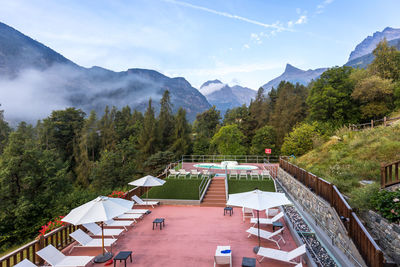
(148, 136)
(108, 135)
(165, 122)
(182, 144)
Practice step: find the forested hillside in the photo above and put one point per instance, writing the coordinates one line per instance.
(70, 157)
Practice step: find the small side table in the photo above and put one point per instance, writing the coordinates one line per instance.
(248, 262)
(228, 209)
(276, 224)
(160, 221)
(123, 256)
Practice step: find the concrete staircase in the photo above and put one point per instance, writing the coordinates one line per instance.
(215, 195)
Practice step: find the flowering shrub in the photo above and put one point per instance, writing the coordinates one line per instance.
(119, 194)
(51, 225)
(388, 204)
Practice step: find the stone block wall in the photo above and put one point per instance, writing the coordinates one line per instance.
(386, 233)
(324, 215)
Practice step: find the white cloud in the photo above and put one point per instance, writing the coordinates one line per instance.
(275, 25)
(321, 7)
(211, 88)
(301, 20)
(246, 46)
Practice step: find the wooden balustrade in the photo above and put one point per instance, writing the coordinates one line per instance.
(369, 250)
(59, 238)
(390, 174)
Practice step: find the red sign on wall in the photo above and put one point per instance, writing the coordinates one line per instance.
(268, 151)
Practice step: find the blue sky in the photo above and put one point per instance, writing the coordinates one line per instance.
(246, 42)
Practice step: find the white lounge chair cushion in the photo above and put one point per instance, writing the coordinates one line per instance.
(137, 211)
(86, 241)
(281, 255)
(131, 216)
(263, 233)
(55, 258)
(118, 223)
(96, 230)
(266, 220)
(25, 263)
(139, 201)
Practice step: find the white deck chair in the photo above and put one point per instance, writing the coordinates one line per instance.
(137, 211)
(119, 224)
(233, 174)
(266, 220)
(271, 212)
(247, 213)
(254, 174)
(54, 257)
(85, 240)
(183, 172)
(243, 174)
(282, 255)
(140, 202)
(265, 174)
(267, 235)
(25, 263)
(96, 230)
(130, 216)
(223, 258)
(194, 173)
(174, 173)
(206, 173)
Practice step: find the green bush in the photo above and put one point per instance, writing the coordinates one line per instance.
(387, 204)
(177, 189)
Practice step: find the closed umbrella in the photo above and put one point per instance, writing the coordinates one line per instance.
(148, 181)
(258, 200)
(100, 209)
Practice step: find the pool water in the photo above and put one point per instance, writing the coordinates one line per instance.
(220, 167)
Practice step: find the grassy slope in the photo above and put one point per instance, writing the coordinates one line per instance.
(355, 156)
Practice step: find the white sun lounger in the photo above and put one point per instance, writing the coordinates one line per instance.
(120, 224)
(183, 172)
(267, 235)
(140, 202)
(137, 211)
(96, 230)
(85, 240)
(130, 216)
(174, 173)
(247, 213)
(25, 263)
(282, 255)
(266, 220)
(54, 257)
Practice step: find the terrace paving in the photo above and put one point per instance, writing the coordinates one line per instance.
(190, 237)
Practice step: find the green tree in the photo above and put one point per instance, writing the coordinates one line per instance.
(228, 140)
(106, 127)
(4, 131)
(124, 124)
(258, 109)
(265, 137)
(165, 121)
(207, 123)
(148, 136)
(375, 96)
(300, 140)
(330, 97)
(386, 63)
(181, 134)
(289, 109)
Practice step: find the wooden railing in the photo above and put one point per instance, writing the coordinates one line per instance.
(59, 238)
(366, 245)
(390, 174)
(385, 122)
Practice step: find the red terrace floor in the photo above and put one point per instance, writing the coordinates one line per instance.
(190, 237)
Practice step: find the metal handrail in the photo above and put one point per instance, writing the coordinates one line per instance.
(226, 183)
(204, 181)
(218, 158)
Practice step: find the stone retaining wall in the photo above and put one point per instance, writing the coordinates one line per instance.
(324, 215)
(386, 233)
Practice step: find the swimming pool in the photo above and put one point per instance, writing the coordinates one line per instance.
(221, 167)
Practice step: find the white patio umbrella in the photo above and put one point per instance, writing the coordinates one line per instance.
(148, 181)
(100, 209)
(258, 200)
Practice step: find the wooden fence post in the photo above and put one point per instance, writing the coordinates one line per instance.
(38, 246)
(383, 176)
(384, 121)
(372, 123)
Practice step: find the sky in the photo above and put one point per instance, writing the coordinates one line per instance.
(245, 42)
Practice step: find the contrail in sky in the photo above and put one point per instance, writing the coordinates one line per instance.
(227, 15)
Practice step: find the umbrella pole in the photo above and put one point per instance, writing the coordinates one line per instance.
(102, 236)
(256, 248)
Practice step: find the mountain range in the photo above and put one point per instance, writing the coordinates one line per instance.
(224, 97)
(35, 80)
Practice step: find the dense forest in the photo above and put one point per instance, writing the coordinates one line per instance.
(71, 157)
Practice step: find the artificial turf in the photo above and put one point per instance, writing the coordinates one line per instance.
(177, 189)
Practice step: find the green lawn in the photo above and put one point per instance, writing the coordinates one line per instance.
(177, 189)
(239, 186)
